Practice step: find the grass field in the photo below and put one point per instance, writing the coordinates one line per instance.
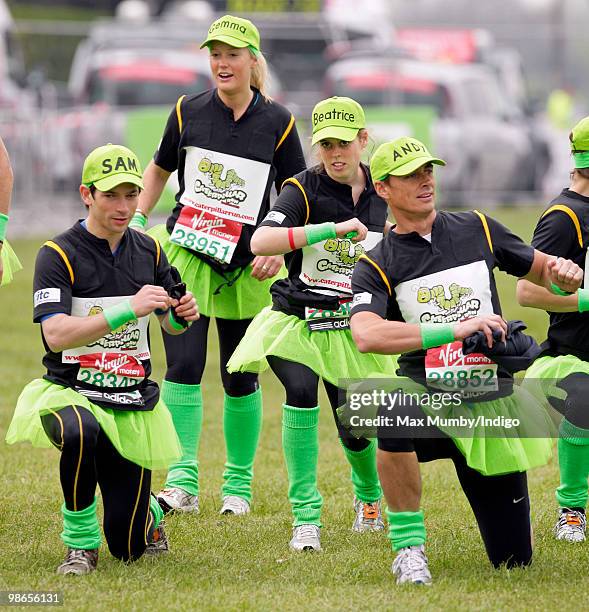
(222, 563)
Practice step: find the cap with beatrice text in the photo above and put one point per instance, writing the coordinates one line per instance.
(337, 117)
(234, 31)
(579, 138)
(400, 158)
(111, 165)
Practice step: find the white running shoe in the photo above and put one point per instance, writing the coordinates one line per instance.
(368, 516)
(571, 525)
(305, 537)
(233, 504)
(410, 565)
(79, 562)
(175, 499)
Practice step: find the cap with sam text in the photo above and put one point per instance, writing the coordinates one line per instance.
(111, 165)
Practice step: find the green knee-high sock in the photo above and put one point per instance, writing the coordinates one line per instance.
(242, 423)
(185, 405)
(301, 450)
(156, 511)
(364, 475)
(573, 457)
(406, 529)
(80, 528)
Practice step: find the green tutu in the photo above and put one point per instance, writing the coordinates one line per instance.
(147, 438)
(491, 449)
(332, 355)
(242, 300)
(544, 374)
(10, 263)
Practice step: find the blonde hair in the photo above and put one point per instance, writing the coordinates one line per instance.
(259, 76)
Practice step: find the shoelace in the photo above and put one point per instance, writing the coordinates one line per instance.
(413, 561)
(574, 520)
(307, 531)
(370, 511)
(76, 555)
(236, 503)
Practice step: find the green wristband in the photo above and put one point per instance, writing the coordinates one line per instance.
(436, 334)
(173, 323)
(583, 300)
(119, 314)
(138, 220)
(3, 224)
(558, 291)
(320, 232)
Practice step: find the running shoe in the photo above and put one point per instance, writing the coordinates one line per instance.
(158, 541)
(79, 561)
(305, 537)
(174, 499)
(571, 525)
(368, 516)
(233, 504)
(410, 566)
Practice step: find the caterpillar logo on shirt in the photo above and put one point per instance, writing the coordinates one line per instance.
(44, 296)
(437, 295)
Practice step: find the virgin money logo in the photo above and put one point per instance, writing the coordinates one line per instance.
(113, 363)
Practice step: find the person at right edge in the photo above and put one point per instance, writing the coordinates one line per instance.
(561, 371)
(229, 145)
(401, 306)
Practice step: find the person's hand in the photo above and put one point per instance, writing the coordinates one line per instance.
(266, 266)
(486, 324)
(186, 307)
(565, 274)
(353, 225)
(148, 298)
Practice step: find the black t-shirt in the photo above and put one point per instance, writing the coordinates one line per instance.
(77, 274)
(563, 230)
(265, 134)
(319, 275)
(408, 278)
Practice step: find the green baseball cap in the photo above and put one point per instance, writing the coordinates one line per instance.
(111, 165)
(337, 117)
(234, 31)
(400, 158)
(579, 138)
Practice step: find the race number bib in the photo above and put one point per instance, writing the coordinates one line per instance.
(226, 186)
(329, 264)
(114, 360)
(110, 370)
(326, 320)
(206, 233)
(448, 369)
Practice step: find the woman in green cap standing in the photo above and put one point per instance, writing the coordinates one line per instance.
(562, 369)
(324, 219)
(229, 145)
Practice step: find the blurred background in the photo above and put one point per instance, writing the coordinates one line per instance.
(492, 86)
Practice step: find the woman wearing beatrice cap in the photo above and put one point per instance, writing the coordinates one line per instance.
(9, 263)
(561, 371)
(324, 219)
(229, 145)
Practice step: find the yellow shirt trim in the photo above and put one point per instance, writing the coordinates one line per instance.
(295, 182)
(379, 270)
(572, 215)
(56, 247)
(485, 227)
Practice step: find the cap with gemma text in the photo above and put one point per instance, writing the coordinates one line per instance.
(234, 31)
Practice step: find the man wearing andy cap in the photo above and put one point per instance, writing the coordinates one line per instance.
(95, 286)
(420, 293)
(562, 369)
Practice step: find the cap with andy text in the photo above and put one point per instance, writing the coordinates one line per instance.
(234, 31)
(111, 165)
(337, 117)
(579, 138)
(400, 158)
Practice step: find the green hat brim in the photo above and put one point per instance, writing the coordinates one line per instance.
(108, 182)
(414, 164)
(335, 131)
(229, 40)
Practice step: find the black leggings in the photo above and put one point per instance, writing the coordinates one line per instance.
(88, 458)
(301, 385)
(501, 504)
(186, 355)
